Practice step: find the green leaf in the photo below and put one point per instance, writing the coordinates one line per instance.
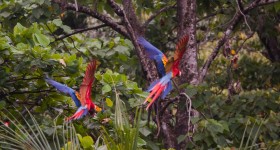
(80, 137)
(181, 138)
(191, 92)
(42, 39)
(96, 43)
(2, 104)
(57, 22)
(140, 142)
(66, 29)
(106, 88)
(214, 127)
(37, 12)
(40, 2)
(152, 145)
(109, 102)
(145, 131)
(1, 60)
(122, 49)
(19, 29)
(194, 120)
(87, 142)
(103, 147)
(198, 137)
(5, 14)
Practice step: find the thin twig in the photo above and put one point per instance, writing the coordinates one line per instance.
(188, 101)
(245, 19)
(76, 5)
(153, 16)
(78, 49)
(168, 103)
(25, 92)
(211, 15)
(236, 19)
(81, 30)
(32, 78)
(241, 46)
(55, 38)
(106, 19)
(158, 118)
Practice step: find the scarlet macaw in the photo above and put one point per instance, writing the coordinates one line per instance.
(82, 99)
(163, 86)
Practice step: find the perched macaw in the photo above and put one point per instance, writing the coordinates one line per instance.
(163, 86)
(82, 99)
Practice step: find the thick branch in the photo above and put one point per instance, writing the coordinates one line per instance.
(237, 18)
(134, 29)
(103, 18)
(153, 16)
(25, 92)
(187, 25)
(117, 9)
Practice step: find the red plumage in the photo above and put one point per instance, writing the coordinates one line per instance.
(85, 88)
(181, 47)
(85, 92)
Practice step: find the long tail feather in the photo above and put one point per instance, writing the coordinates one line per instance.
(167, 89)
(81, 112)
(153, 84)
(155, 89)
(155, 96)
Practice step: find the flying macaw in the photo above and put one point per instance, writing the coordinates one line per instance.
(82, 99)
(163, 86)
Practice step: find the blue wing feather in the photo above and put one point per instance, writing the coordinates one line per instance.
(155, 54)
(160, 66)
(167, 90)
(152, 51)
(61, 87)
(65, 89)
(150, 88)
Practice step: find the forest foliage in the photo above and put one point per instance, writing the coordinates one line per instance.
(237, 106)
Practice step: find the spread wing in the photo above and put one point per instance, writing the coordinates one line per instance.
(153, 53)
(65, 89)
(181, 47)
(85, 88)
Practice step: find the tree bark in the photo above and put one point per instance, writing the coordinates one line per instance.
(232, 25)
(135, 29)
(268, 34)
(186, 15)
(131, 28)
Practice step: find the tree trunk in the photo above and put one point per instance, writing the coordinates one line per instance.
(269, 35)
(135, 29)
(186, 15)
